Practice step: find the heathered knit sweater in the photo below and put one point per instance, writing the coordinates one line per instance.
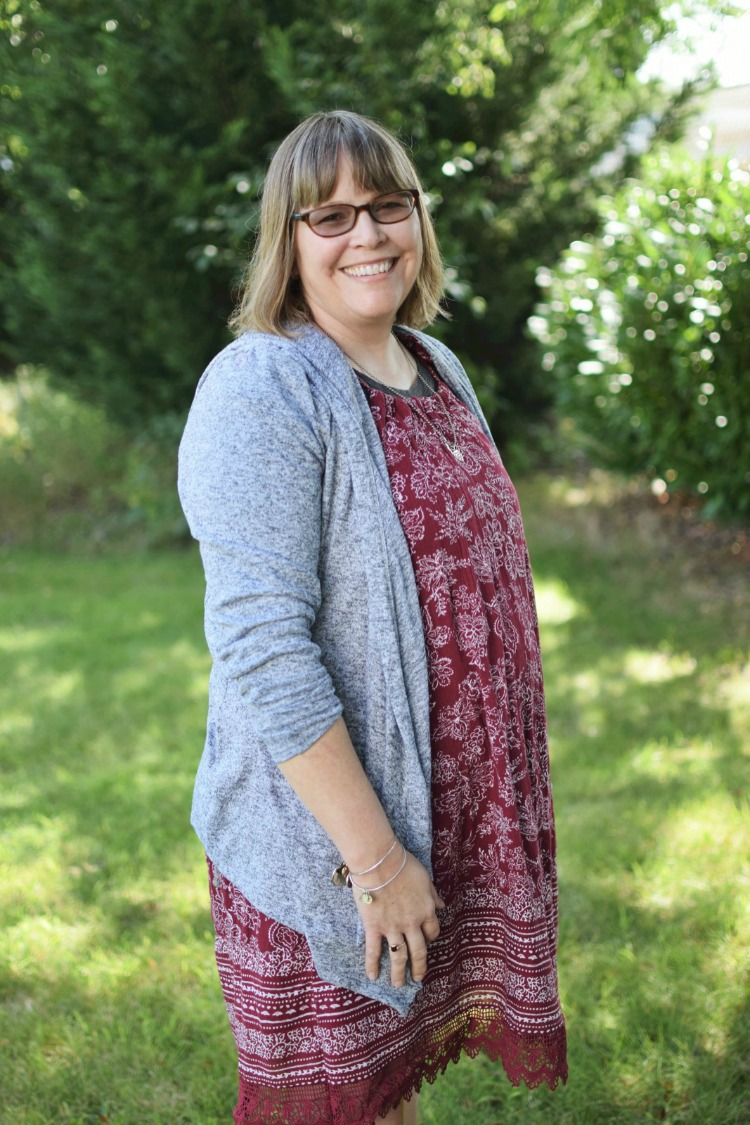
(311, 611)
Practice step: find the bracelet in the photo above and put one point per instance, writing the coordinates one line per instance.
(367, 892)
(367, 870)
(342, 872)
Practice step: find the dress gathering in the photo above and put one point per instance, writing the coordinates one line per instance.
(312, 1050)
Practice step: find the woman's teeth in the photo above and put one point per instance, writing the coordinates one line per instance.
(369, 271)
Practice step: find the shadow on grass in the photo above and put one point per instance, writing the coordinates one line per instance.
(151, 1046)
(104, 692)
(103, 699)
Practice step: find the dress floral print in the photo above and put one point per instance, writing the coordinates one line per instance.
(312, 1053)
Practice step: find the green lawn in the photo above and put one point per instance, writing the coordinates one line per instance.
(110, 1006)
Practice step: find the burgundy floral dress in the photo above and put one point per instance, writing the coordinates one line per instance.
(311, 1053)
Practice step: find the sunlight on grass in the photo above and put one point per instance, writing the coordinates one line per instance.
(23, 640)
(554, 603)
(657, 667)
(697, 853)
(666, 762)
(12, 723)
(64, 685)
(110, 1007)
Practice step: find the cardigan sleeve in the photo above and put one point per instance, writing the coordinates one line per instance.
(250, 481)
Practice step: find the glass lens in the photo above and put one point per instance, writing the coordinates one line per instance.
(332, 220)
(392, 208)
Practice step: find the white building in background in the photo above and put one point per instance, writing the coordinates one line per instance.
(723, 124)
(723, 120)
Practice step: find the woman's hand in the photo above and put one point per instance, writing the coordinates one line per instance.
(402, 914)
(330, 780)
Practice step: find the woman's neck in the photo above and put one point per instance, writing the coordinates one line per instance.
(379, 355)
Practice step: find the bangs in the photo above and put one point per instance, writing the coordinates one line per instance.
(377, 160)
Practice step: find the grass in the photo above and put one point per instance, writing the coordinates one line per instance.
(110, 1009)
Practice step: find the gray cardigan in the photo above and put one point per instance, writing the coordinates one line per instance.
(311, 611)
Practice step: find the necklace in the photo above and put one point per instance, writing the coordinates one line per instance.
(452, 446)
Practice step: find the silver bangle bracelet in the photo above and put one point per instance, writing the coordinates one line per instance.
(375, 866)
(367, 892)
(341, 875)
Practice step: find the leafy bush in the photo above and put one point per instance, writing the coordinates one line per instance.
(148, 484)
(134, 139)
(70, 477)
(647, 330)
(56, 457)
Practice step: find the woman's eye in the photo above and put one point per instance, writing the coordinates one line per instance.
(392, 206)
(329, 217)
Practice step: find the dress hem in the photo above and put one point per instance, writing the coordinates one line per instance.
(541, 1061)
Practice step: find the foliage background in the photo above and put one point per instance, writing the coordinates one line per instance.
(135, 137)
(647, 327)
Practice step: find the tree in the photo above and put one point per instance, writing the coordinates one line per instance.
(647, 330)
(136, 138)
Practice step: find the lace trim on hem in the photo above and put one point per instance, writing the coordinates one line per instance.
(536, 1062)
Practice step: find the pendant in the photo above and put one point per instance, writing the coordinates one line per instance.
(339, 876)
(366, 898)
(456, 452)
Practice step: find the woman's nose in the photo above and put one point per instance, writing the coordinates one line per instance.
(366, 232)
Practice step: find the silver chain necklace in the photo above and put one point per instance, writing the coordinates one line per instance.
(452, 446)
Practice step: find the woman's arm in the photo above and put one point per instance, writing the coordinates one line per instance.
(251, 464)
(329, 779)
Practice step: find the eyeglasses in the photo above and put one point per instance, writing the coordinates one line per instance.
(339, 218)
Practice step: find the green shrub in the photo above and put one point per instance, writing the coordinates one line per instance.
(148, 484)
(70, 477)
(57, 457)
(646, 328)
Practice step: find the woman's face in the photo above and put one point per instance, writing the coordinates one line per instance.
(356, 282)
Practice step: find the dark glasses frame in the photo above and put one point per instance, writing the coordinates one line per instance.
(304, 216)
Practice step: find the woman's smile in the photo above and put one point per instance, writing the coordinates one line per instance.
(370, 269)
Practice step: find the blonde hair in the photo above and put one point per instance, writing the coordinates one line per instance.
(303, 174)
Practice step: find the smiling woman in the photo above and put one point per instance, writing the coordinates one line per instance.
(374, 795)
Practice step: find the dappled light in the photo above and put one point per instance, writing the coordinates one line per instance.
(657, 667)
(109, 979)
(555, 606)
(131, 173)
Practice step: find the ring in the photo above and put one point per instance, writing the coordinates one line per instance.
(395, 948)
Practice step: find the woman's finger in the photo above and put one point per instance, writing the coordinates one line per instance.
(417, 955)
(399, 953)
(431, 929)
(373, 945)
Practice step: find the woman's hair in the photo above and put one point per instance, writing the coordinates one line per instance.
(301, 175)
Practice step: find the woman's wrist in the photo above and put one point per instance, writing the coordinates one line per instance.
(384, 871)
(370, 848)
(366, 891)
(378, 863)
(381, 870)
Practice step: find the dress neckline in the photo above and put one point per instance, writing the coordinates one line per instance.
(416, 390)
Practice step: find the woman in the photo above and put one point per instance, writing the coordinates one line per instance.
(374, 795)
